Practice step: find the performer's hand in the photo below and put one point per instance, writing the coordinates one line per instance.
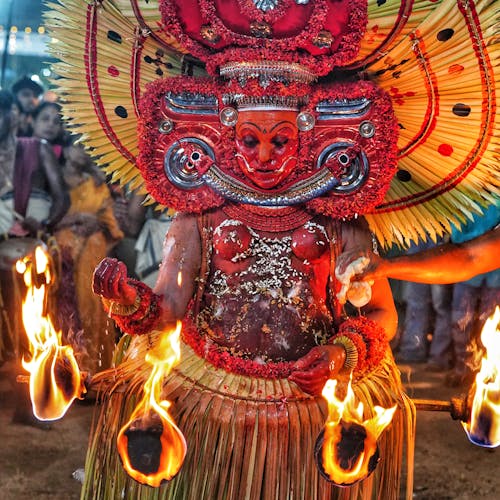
(111, 282)
(355, 271)
(361, 265)
(312, 371)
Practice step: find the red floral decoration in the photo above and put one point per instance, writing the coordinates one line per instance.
(370, 340)
(291, 32)
(381, 150)
(153, 145)
(250, 11)
(223, 359)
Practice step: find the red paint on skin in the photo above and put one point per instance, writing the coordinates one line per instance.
(267, 143)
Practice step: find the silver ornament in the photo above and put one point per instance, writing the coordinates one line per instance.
(305, 121)
(228, 116)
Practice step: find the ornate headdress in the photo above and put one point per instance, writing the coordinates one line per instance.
(395, 67)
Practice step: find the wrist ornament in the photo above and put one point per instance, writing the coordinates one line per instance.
(117, 309)
(365, 343)
(140, 317)
(351, 351)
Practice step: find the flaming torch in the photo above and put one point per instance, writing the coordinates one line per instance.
(346, 450)
(55, 379)
(151, 446)
(483, 428)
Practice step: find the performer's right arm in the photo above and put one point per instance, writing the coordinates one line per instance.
(180, 266)
(134, 306)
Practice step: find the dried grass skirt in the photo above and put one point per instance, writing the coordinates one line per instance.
(248, 438)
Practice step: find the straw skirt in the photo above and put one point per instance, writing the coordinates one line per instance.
(247, 438)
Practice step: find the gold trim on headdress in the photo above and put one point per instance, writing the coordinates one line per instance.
(268, 71)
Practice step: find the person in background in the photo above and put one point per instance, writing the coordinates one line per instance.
(149, 246)
(32, 194)
(447, 263)
(473, 302)
(27, 94)
(141, 249)
(427, 311)
(130, 212)
(85, 235)
(48, 125)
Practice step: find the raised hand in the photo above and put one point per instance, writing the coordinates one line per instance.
(111, 282)
(312, 371)
(355, 270)
(360, 265)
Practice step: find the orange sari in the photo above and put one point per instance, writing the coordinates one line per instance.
(87, 233)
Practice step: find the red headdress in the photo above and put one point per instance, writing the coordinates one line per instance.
(310, 37)
(344, 65)
(268, 55)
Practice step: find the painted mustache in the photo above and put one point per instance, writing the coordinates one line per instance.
(267, 166)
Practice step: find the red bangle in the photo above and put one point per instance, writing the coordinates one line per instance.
(370, 340)
(147, 315)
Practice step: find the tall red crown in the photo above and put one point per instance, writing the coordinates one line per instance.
(317, 35)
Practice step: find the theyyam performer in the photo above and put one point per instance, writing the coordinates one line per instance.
(282, 132)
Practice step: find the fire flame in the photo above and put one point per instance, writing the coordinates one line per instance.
(151, 446)
(484, 426)
(55, 379)
(349, 449)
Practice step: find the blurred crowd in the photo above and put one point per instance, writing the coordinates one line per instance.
(51, 190)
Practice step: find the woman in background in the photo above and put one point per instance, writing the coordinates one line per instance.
(48, 125)
(86, 235)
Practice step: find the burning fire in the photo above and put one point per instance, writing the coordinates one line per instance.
(151, 446)
(55, 379)
(484, 426)
(346, 450)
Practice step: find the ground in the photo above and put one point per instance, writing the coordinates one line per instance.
(38, 463)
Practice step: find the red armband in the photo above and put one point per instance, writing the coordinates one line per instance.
(141, 317)
(365, 342)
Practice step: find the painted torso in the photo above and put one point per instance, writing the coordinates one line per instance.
(266, 295)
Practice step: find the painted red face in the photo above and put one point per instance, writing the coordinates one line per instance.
(267, 143)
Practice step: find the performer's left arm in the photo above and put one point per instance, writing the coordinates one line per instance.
(360, 342)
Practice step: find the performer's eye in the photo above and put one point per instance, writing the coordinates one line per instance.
(250, 141)
(279, 141)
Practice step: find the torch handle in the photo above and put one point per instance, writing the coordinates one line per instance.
(459, 407)
(432, 405)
